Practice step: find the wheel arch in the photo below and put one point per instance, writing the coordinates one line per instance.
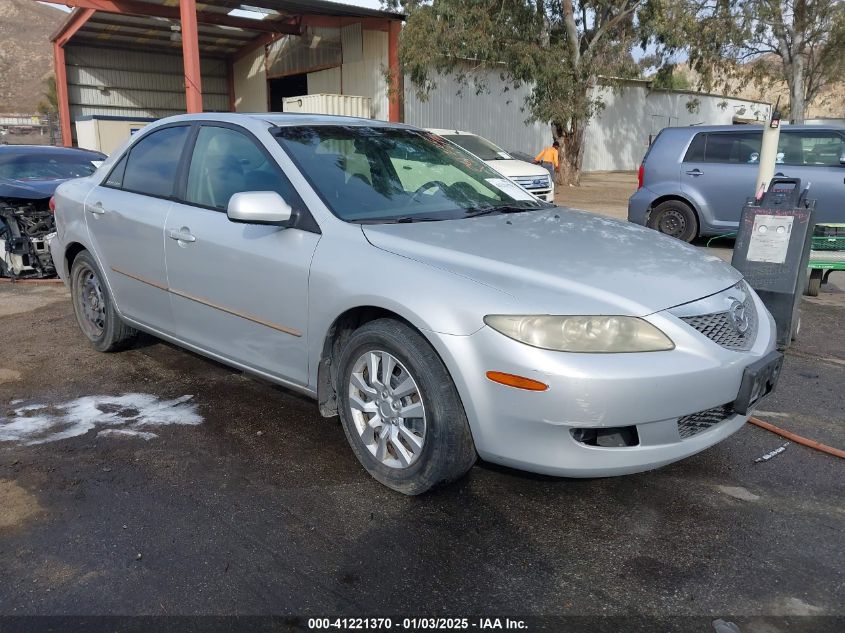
(677, 198)
(333, 341)
(336, 336)
(71, 251)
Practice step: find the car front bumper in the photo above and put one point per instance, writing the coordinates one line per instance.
(650, 391)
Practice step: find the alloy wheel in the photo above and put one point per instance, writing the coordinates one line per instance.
(387, 409)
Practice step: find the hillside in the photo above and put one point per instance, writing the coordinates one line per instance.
(26, 55)
(829, 104)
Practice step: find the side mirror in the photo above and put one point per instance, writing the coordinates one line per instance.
(842, 159)
(259, 207)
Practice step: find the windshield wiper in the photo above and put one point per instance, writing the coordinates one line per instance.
(474, 212)
(405, 219)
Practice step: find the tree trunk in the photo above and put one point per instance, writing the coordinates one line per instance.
(796, 90)
(571, 152)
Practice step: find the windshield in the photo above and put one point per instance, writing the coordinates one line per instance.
(45, 167)
(481, 147)
(382, 174)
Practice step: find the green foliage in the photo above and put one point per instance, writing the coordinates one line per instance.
(735, 42)
(559, 47)
(50, 103)
(669, 77)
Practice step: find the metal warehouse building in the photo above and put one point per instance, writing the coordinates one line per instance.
(123, 63)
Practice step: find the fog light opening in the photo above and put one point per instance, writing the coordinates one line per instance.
(612, 437)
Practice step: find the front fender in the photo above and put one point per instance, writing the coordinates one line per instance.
(348, 272)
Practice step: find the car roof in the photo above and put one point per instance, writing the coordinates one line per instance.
(442, 132)
(695, 129)
(284, 119)
(51, 150)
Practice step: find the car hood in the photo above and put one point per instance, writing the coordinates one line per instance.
(561, 261)
(512, 168)
(28, 189)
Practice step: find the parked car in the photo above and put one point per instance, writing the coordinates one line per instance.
(441, 310)
(526, 174)
(695, 180)
(29, 174)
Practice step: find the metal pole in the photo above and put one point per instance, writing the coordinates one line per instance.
(768, 151)
(62, 94)
(394, 97)
(191, 56)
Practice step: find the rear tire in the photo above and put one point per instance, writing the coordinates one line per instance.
(675, 219)
(94, 307)
(410, 434)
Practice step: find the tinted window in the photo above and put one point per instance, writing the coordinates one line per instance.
(226, 162)
(695, 153)
(115, 178)
(725, 147)
(810, 147)
(152, 163)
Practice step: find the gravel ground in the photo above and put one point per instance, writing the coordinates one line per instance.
(254, 504)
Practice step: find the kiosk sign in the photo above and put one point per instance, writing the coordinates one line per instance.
(769, 241)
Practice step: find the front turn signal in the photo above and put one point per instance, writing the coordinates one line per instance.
(519, 382)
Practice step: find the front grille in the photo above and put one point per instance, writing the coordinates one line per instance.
(720, 327)
(695, 423)
(533, 182)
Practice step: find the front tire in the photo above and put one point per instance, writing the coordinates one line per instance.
(94, 307)
(675, 219)
(400, 410)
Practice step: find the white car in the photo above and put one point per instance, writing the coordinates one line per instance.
(529, 176)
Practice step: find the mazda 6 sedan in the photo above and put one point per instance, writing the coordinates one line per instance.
(443, 312)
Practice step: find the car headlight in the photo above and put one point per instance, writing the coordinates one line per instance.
(591, 334)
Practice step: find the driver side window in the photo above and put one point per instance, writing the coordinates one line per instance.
(226, 162)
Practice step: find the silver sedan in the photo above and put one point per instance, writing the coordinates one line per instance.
(441, 310)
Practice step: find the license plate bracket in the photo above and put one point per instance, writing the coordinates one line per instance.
(758, 381)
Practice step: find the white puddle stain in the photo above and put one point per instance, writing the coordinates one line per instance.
(128, 415)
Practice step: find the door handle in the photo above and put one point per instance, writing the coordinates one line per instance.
(96, 208)
(182, 235)
(695, 172)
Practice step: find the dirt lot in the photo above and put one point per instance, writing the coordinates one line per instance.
(604, 192)
(209, 492)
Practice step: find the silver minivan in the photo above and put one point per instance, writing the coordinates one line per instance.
(695, 180)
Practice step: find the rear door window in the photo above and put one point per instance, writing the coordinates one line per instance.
(695, 153)
(115, 178)
(153, 162)
(725, 147)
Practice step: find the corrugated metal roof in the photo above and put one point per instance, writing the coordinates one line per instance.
(104, 28)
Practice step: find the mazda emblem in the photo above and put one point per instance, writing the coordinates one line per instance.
(739, 317)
